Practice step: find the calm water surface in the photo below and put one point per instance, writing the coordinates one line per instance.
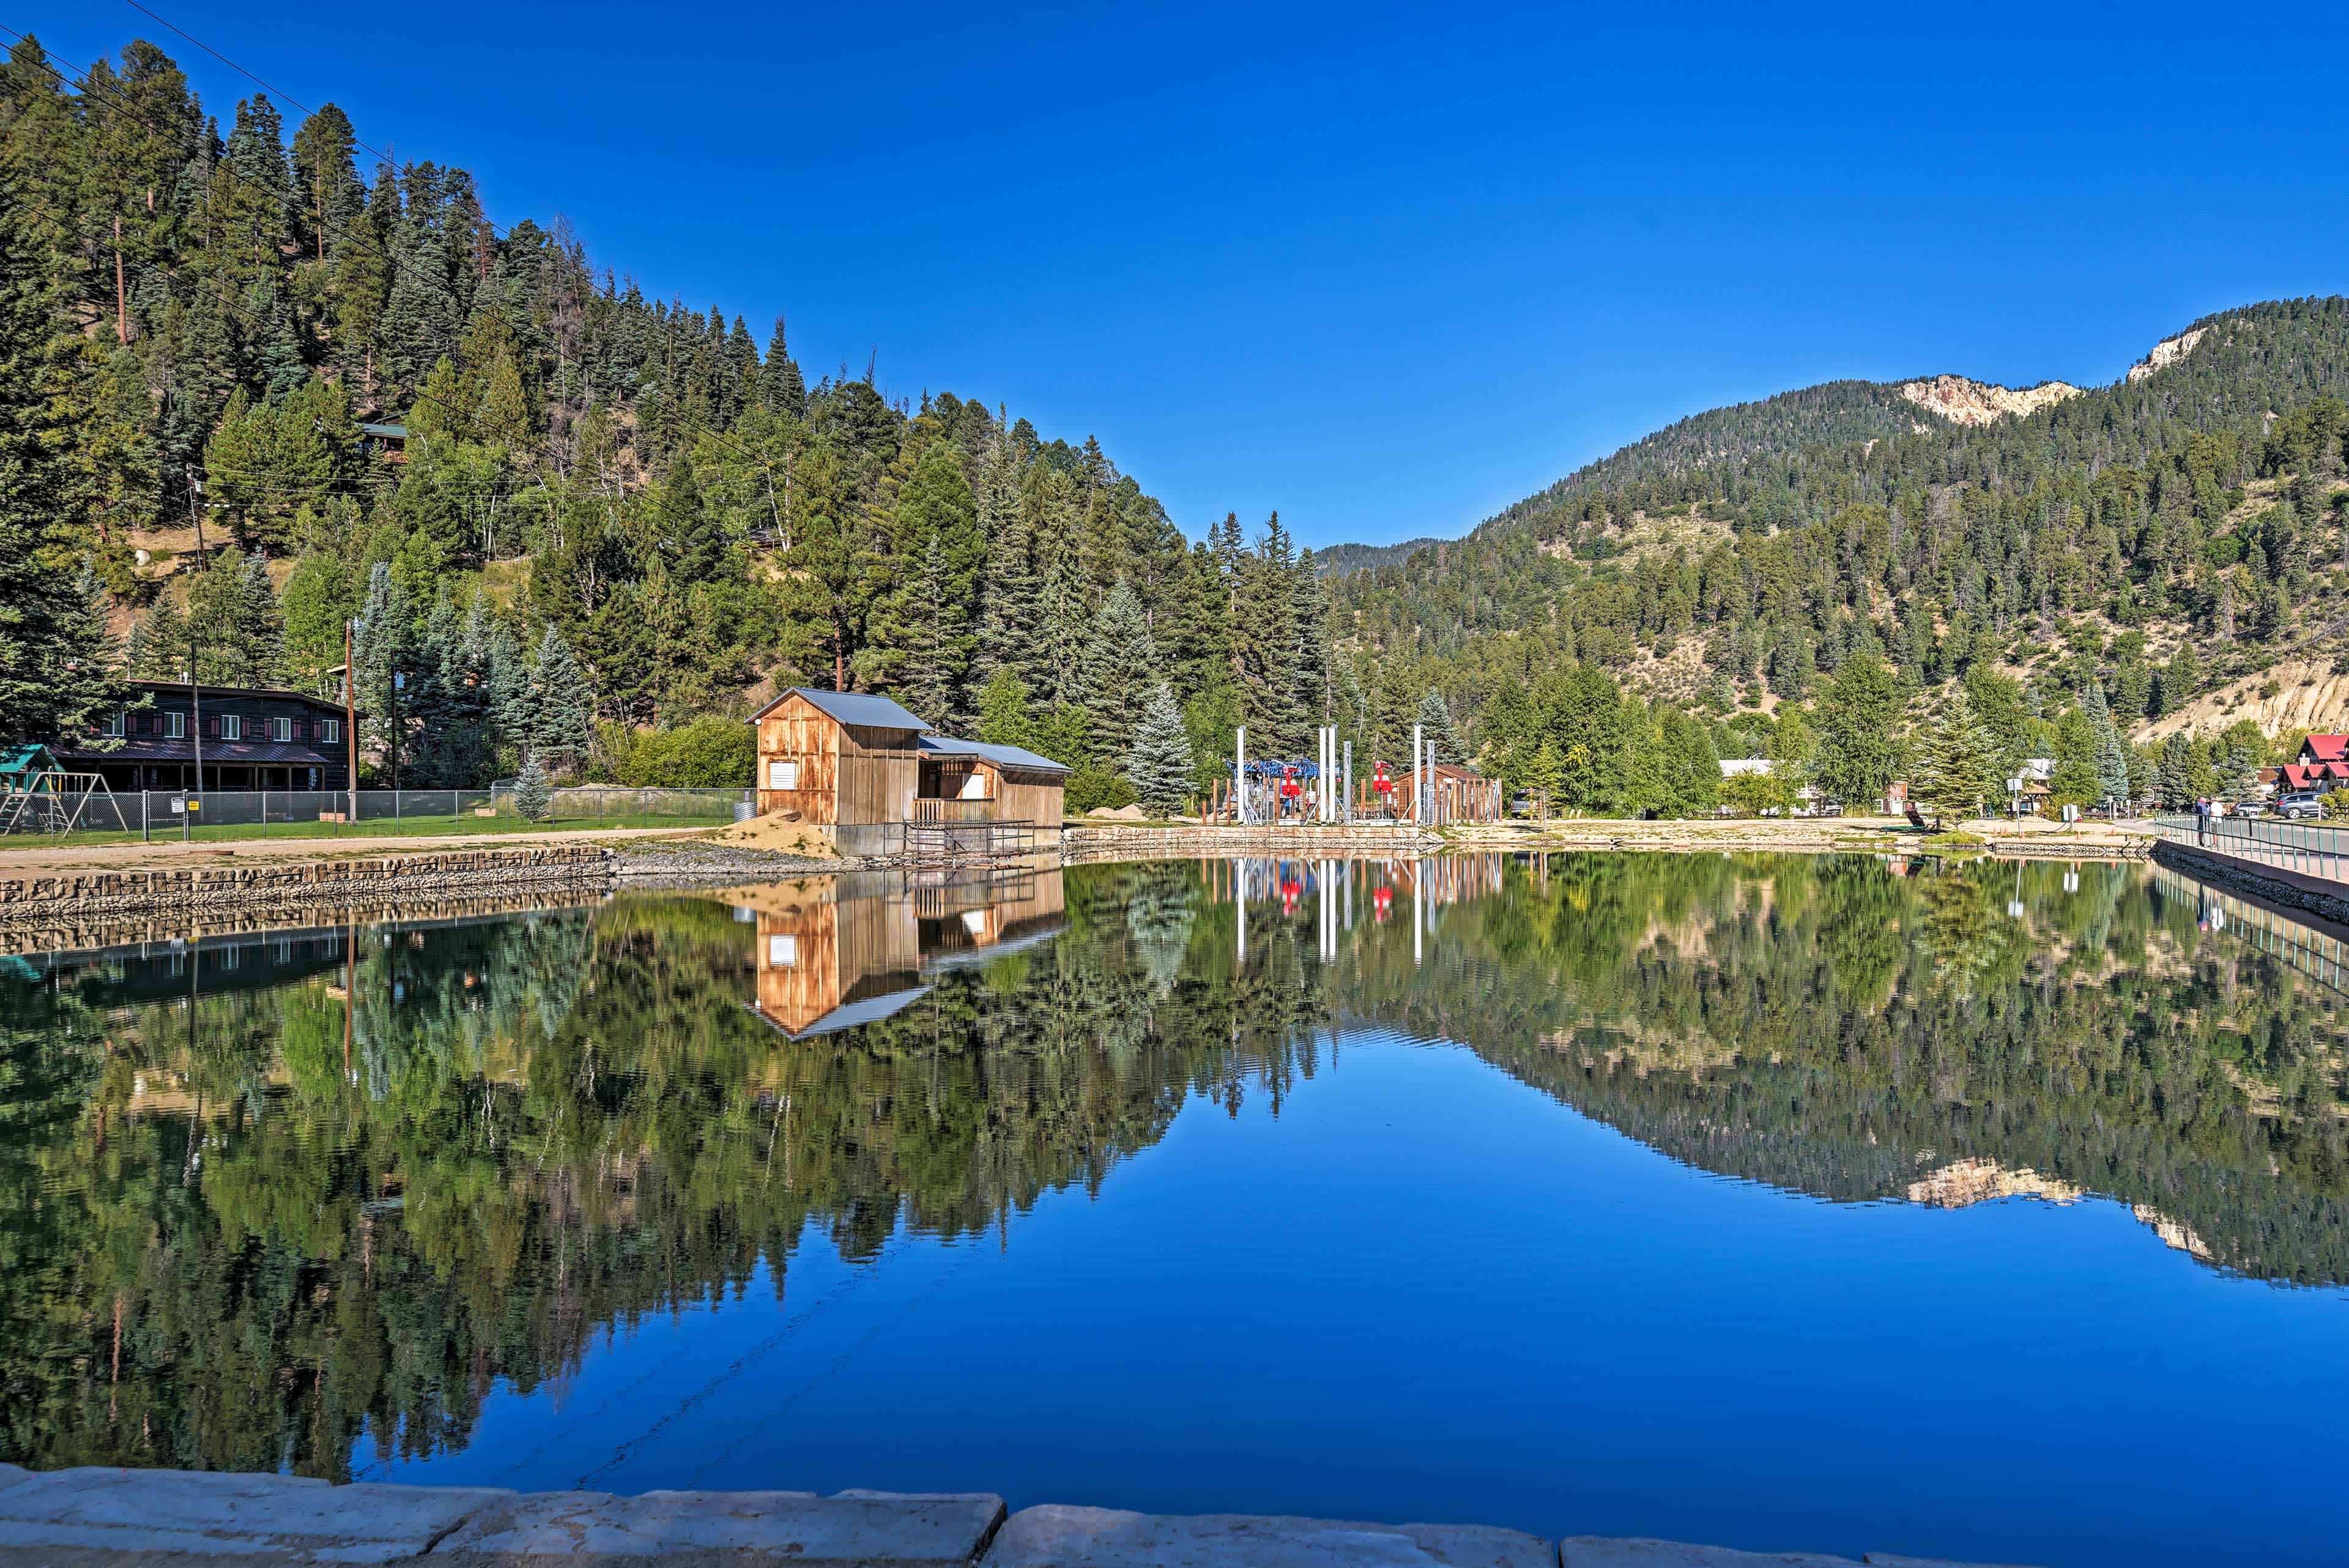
(1835, 1203)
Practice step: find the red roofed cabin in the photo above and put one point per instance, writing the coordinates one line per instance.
(2322, 766)
(864, 766)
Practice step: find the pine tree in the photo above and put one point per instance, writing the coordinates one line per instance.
(1003, 716)
(2111, 754)
(560, 697)
(532, 797)
(1119, 672)
(1956, 772)
(2174, 779)
(1008, 590)
(1160, 762)
(54, 654)
(1443, 736)
(780, 382)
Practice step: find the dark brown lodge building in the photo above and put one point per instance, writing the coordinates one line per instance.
(253, 737)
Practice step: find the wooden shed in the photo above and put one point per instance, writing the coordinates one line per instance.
(840, 759)
(865, 767)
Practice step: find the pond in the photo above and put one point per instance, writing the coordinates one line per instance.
(1839, 1203)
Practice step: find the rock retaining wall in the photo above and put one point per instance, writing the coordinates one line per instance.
(1102, 841)
(93, 1517)
(78, 896)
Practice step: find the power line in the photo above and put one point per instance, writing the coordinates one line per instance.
(232, 65)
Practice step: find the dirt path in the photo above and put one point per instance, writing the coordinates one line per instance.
(173, 855)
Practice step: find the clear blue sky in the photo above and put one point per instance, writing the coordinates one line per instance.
(1384, 270)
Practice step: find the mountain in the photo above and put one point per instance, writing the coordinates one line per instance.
(2179, 527)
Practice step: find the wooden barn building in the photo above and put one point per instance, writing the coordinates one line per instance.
(865, 767)
(846, 950)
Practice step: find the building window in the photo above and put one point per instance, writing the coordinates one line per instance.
(281, 728)
(783, 950)
(232, 726)
(176, 725)
(782, 775)
(113, 724)
(330, 730)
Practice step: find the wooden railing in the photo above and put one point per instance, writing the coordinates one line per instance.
(951, 810)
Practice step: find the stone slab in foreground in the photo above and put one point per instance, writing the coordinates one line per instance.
(88, 1515)
(1053, 1536)
(1603, 1552)
(709, 1529)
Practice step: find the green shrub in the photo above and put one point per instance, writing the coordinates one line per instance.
(708, 753)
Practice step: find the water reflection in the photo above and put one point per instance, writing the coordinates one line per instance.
(295, 1200)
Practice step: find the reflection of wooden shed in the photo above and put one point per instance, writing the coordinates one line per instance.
(846, 950)
(971, 780)
(835, 954)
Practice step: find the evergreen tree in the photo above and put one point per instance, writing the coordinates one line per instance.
(1957, 770)
(532, 797)
(1003, 715)
(1160, 762)
(1442, 735)
(2111, 754)
(2174, 779)
(55, 677)
(1119, 673)
(1858, 752)
(560, 700)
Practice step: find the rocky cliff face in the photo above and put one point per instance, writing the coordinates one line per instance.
(2166, 353)
(1964, 402)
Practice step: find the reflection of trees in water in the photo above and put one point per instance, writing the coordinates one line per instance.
(1831, 1026)
(548, 1128)
(231, 1237)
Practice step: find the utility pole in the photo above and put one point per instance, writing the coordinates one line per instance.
(350, 723)
(195, 738)
(196, 510)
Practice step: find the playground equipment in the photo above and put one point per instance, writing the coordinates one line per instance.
(38, 796)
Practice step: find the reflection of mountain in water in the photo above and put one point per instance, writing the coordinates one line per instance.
(372, 1173)
(1821, 1025)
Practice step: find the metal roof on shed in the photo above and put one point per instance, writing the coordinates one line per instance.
(848, 708)
(1018, 758)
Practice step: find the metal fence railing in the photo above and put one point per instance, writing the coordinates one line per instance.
(2311, 848)
(153, 813)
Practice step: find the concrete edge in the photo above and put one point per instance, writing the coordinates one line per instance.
(227, 1518)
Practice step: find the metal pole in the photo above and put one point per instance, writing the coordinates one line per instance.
(1346, 794)
(1418, 795)
(1239, 794)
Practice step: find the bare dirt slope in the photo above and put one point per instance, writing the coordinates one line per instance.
(2301, 694)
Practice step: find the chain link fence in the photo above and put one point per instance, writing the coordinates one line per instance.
(157, 813)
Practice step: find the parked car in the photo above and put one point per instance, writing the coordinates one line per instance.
(2298, 803)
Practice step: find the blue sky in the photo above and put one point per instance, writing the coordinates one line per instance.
(1383, 269)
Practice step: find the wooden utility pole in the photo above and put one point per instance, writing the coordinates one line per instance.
(122, 308)
(350, 721)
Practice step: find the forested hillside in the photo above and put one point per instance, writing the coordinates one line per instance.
(2118, 552)
(678, 517)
